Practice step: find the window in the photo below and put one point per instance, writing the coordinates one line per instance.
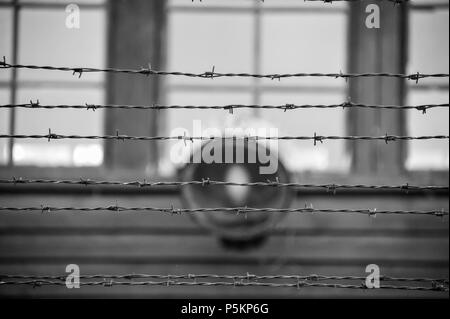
(273, 37)
(234, 36)
(39, 32)
(428, 37)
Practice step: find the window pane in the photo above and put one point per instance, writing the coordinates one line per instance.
(6, 36)
(199, 41)
(428, 53)
(433, 154)
(60, 46)
(303, 155)
(73, 152)
(4, 126)
(295, 42)
(184, 119)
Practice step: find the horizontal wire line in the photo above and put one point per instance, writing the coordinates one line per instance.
(331, 1)
(248, 277)
(299, 284)
(206, 182)
(346, 105)
(212, 74)
(316, 138)
(235, 210)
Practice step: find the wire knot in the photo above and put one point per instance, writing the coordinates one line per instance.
(332, 188)
(206, 182)
(415, 77)
(405, 188)
(422, 108)
(317, 139)
(288, 107)
(51, 135)
(119, 137)
(347, 104)
(147, 71)
(440, 213)
(143, 183)
(275, 183)
(309, 207)
(45, 209)
(34, 104)
(3, 63)
(389, 138)
(437, 286)
(185, 138)
(114, 208)
(85, 182)
(92, 107)
(340, 75)
(174, 211)
(18, 180)
(79, 71)
(210, 74)
(242, 210)
(229, 108)
(250, 276)
(300, 283)
(275, 76)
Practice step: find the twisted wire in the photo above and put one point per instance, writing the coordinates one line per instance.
(235, 210)
(207, 182)
(212, 74)
(299, 284)
(345, 105)
(248, 276)
(316, 138)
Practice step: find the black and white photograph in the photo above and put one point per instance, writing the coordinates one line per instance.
(218, 150)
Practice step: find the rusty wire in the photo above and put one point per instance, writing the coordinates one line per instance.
(316, 138)
(235, 210)
(213, 74)
(345, 105)
(207, 182)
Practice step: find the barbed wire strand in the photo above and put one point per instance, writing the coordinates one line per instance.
(414, 5)
(236, 210)
(316, 138)
(212, 74)
(208, 182)
(331, 1)
(248, 277)
(345, 105)
(299, 284)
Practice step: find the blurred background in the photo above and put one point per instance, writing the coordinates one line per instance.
(283, 36)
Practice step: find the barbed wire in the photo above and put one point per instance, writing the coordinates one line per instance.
(345, 105)
(331, 1)
(248, 277)
(213, 74)
(235, 210)
(299, 284)
(208, 182)
(316, 138)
